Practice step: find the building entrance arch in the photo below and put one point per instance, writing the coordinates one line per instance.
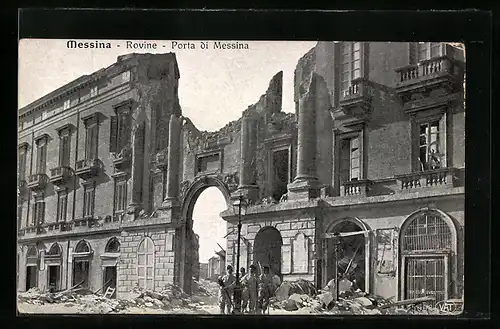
(352, 260)
(188, 239)
(267, 249)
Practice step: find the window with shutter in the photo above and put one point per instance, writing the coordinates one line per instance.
(145, 264)
(38, 212)
(88, 201)
(64, 149)
(350, 53)
(22, 163)
(428, 50)
(92, 142)
(120, 195)
(62, 206)
(19, 215)
(432, 144)
(113, 135)
(354, 158)
(41, 157)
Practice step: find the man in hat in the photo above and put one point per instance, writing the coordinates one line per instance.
(265, 286)
(244, 291)
(226, 283)
(250, 289)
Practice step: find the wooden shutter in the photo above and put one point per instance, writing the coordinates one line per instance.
(344, 161)
(41, 212)
(113, 135)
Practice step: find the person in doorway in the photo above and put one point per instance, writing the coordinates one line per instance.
(226, 286)
(250, 283)
(265, 286)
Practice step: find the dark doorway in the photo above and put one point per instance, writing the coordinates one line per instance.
(280, 173)
(31, 277)
(350, 261)
(109, 278)
(54, 277)
(81, 273)
(267, 249)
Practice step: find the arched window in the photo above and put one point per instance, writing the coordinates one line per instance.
(113, 245)
(146, 263)
(427, 232)
(55, 250)
(427, 242)
(32, 252)
(82, 246)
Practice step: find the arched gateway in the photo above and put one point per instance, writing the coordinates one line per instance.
(187, 239)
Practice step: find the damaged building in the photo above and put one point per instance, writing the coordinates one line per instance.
(364, 179)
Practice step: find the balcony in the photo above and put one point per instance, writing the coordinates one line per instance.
(60, 175)
(87, 168)
(37, 181)
(122, 160)
(356, 100)
(429, 74)
(444, 177)
(355, 188)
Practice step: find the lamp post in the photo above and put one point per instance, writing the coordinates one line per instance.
(336, 242)
(240, 205)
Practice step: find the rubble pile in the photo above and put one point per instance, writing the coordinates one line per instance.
(349, 302)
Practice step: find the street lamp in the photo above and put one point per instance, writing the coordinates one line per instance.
(336, 242)
(240, 206)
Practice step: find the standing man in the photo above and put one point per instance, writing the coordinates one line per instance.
(251, 285)
(244, 291)
(226, 283)
(265, 286)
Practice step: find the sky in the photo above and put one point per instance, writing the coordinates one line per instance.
(215, 86)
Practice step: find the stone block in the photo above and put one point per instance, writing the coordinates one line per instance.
(283, 226)
(311, 224)
(298, 225)
(253, 228)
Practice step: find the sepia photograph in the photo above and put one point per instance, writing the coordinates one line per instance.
(241, 177)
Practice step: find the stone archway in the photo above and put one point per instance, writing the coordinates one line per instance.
(267, 249)
(428, 246)
(353, 256)
(188, 240)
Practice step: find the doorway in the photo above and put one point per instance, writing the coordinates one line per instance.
(350, 260)
(267, 249)
(81, 273)
(54, 277)
(31, 277)
(109, 278)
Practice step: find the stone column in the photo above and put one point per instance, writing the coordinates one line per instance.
(247, 185)
(173, 159)
(306, 184)
(137, 169)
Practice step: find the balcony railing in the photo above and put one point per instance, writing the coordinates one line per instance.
(357, 96)
(355, 187)
(37, 181)
(60, 175)
(432, 178)
(87, 168)
(437, 70)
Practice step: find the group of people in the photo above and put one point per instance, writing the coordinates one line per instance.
(256, 290)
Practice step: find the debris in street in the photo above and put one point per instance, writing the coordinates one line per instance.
(288, 288)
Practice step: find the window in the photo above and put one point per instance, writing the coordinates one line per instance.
(82, 246)
(38, 212)
(350, 54)
(19, 215)
(120, 195)
(55, 250)
(280, 171)
(22, 162)
(88, 201)
(64, 148)
(146, 263)
(120, 130)
(93, 91)
(66, 104)
(428, 50)
(41, 155)
(430, 156)
(113, 245)
(350, 159)
(91, 143)
(62, 206)
(426, 245)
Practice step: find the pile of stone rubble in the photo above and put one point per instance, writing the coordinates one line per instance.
(290, 298)
(170, 297)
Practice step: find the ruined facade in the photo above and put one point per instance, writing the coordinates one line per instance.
(374, 151)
